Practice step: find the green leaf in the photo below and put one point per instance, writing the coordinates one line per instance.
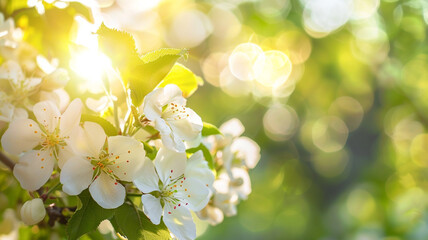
(210, 129)
(157, 54)
(207, 155)
(87, 218)
(143, 78)
(79, 8)
(150, 151)
(184, 78)
(109, 129)
(140, 75)
(134, 224)
(119, 46)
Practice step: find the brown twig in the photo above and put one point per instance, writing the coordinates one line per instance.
(6, 161)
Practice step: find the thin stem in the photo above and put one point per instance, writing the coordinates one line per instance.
(134, 194)
(53, 189)
(6, 161)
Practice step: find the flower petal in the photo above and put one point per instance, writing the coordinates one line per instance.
(246, 149)
(227, 203)
(154, 101)
(65, 153)
(172, 93)
(128, 156)
(88, 140)
(197, 168)
(146, 179)
(47, 114)
(11, 70)
(195, 193)
(76, 175)
(34, 169)
(187, 128)
(241, 182)
(151, 107)
(211, 214)
(20, 113)
(169, 164)
(232, 127)
(71, 117)
(180, 222)
(107, 192)
(22, 135)
(152, 208)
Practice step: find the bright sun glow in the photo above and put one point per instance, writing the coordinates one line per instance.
(86, 60)
(90, 65)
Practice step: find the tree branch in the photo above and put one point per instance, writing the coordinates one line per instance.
(6, 161)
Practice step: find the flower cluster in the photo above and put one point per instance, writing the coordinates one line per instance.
(234, 156)
(148, 152)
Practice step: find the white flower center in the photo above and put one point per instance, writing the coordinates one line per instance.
(174, 111)
(106, 162)
(174, 192)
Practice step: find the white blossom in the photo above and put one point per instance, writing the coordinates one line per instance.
(165, 107)
(102, 161)
(40, 142)
(172, 186)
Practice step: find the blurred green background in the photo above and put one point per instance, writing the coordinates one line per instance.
(343, 140)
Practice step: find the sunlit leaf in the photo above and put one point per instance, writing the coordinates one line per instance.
(119, 46)
(209, 129)
(140, 75)
(145, 77)
(109, 129)
(207, 155)
(184, 78)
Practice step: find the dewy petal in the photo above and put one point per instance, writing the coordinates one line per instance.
(34, 169)
(246, 149)
(88, 140)
(169, 164)
(107, 192)
(76, 175)
(128, 156)
(197, 168)
(180, 222)
(195, 193)
(152, 208)
(47, 114)
(187, 128)
(146, 179)
(232, 127)
(71, 117)
(22, 135)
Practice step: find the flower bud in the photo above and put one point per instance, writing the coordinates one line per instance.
(33, 211)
